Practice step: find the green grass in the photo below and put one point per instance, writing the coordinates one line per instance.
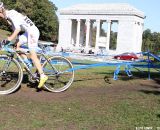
(93, 108)
(4, 34)
(94, 102)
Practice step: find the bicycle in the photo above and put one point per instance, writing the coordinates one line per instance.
(58, 68)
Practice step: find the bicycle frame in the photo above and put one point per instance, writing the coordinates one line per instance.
(12, 52)
(58, 68)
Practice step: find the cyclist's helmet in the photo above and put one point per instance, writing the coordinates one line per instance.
(1, 4)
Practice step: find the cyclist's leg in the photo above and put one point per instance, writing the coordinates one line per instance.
(33, 36)
(22, 40)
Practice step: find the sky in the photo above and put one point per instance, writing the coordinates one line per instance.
(151, 9)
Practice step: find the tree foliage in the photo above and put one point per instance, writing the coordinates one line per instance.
(151, 41)
(41, 12)
(113, 40)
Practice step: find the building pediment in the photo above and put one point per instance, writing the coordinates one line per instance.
(102, 9)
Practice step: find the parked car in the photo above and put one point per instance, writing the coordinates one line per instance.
(126, 56)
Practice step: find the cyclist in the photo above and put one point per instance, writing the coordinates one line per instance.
(31, 34)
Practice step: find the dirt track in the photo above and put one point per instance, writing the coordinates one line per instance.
(109, 89)
(89, 103)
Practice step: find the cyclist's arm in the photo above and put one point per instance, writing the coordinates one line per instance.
(14, 34)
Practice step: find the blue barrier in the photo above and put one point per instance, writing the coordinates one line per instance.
(147, 63)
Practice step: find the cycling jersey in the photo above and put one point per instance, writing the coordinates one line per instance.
(23, 23)
(18, 20)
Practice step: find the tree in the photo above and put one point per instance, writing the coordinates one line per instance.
(151, 41)
(146, 44)
(41, 12)
(156, 41)
(113, 40)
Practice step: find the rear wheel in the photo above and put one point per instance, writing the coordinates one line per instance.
(60, 72)
(11, 74)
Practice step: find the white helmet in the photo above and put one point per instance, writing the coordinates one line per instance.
(1, 4)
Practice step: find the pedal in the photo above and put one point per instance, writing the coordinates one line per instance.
(34, 78)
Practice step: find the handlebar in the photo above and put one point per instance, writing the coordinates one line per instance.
(6, 43)
(7, 46)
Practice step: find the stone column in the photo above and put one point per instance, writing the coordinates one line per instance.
(78, 32)
(87, 33)
(108, 34)
(64, 24)
(97, 34)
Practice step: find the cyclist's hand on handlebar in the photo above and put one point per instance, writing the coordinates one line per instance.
(5, 42)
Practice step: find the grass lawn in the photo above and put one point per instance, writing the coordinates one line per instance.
(4, 34)
(94, 102)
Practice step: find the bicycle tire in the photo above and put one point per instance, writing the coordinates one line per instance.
(11, 76)
(60, 72)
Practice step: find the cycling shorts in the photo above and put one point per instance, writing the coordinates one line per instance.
(30, 37)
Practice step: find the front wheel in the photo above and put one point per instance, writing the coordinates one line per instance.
(60, 72)
(11, 74)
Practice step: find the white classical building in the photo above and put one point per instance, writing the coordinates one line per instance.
(113, 28)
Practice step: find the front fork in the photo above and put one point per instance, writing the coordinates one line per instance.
(5, 67)
(10, 57)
